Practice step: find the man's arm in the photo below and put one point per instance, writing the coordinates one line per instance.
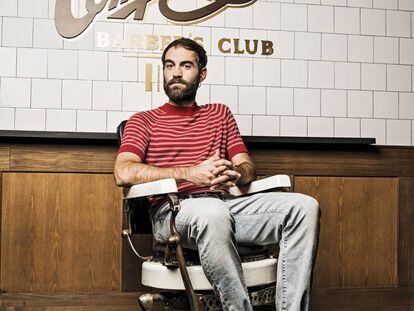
(129, 170)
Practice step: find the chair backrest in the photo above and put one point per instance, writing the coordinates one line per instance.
(137, 209)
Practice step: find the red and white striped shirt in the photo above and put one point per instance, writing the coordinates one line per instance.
(171, 136)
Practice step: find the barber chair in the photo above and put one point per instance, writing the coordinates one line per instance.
(175, 272)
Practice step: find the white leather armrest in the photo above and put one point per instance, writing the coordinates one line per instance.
(162, 186)
(276, 181)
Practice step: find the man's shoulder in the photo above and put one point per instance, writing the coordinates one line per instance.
(215, 107)
(146, 114)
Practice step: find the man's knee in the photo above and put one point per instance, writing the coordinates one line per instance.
(309, 210)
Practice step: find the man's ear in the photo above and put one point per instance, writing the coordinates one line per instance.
(203, 74)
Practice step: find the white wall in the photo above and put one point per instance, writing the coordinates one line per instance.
(341, 68)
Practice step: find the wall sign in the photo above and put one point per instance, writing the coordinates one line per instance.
(69, 26)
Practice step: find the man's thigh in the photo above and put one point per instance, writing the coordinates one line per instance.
(260, 218)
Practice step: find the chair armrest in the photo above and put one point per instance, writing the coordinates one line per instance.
(162, 186)
(276, 181)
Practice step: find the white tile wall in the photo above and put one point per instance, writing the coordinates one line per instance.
(7, 62)
(373, 77)
(116, 117)
(6, 118)
(398, 78)
(61, 120)
(46, 93)
(244, 123)
(30, 8)
(30, 119)
(31, 62)
(76, 94)
(385, 4)
(252, 100)
(284, 43)
(385, 105)
(334, 47)
(266, 15)
(406, 107)
(265, 125)
(320, 127)
(134, 97)
(307, 102)
(347, 20)
(21, 26)
(93, 65)
(375, 128)
(62, 64)
(321, 74)
(239, 71)
(385, 50)
(333, 103)
(373, 22)
(360, 48)
(294, 17)
(8, 8)
(294, 73)
(307, 45)
(347, 75)
(45, 34)
(227, 95)
(399, 132)
(279, 101)
(347, 127)
(90, 121)
(320, 18)
(106, 95)
(360, 104)
(15, 92)
(360, 3)
(293, 126)
(266, 72)
(398, 23)
(339, 68)
(407, 51)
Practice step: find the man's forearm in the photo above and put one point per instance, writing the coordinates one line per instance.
(136, 173)
(247, 171)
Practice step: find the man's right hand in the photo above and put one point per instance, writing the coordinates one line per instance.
(206, 171)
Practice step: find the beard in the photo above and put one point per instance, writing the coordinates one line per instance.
(181, 95)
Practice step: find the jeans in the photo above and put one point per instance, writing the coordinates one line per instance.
(214, 227)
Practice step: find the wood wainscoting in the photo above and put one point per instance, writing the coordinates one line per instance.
(61, 219)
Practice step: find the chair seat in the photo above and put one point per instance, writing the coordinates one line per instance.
(155, 274)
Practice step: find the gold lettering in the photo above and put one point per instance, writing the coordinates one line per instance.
(165, 40)
(199, 40)
(118, 41)
(248, 49)
(152, 42)
(135, 42)
(267, 47)
(220, 45)
(237, 47)
(137, 6)
(102, 39)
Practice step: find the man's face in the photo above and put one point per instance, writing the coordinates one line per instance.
(181, 75)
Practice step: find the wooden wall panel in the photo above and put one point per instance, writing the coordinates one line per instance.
(406, 232)
(60, 232)
(4, 157)
(358, 238)
(62, 158)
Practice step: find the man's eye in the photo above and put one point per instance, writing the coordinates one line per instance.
(168, 66)
(187, 66)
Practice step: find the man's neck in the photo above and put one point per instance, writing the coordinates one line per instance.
(182, 104)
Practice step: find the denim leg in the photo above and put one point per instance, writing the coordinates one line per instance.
(206, 224)
(292, 220)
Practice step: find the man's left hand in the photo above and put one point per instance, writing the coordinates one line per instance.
(226, 180)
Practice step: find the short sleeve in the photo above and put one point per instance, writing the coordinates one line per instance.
(136, 136)
(235, 142)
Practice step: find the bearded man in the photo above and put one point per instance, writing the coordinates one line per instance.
(201, 148)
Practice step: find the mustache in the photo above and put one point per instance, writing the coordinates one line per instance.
(177, 80)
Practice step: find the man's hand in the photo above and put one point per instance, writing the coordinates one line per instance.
(227, 179)
(209, 170)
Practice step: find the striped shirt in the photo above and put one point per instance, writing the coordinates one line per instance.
(171, 136)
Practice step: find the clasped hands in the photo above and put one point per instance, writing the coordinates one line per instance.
(214, 172)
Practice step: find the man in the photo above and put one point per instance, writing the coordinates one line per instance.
(201, 148)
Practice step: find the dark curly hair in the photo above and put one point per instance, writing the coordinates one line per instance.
(190, 45)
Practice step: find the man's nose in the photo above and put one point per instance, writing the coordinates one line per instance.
(177, 72)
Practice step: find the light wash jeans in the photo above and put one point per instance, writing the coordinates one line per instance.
(214, 226)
